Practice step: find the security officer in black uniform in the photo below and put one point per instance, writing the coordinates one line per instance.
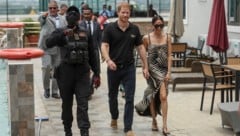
(72, 74)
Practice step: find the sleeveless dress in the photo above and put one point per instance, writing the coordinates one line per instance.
(158, 67)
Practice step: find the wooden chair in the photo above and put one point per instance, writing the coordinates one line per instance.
(196, 52)
(222, 80)
(179, 54)
(233, 61)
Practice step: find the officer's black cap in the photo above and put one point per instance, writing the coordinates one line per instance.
(72, 15)
(73, 9)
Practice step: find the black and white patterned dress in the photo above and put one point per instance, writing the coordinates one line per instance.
(158, 67)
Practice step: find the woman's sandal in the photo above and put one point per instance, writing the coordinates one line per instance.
(154, 126)
(165, 132)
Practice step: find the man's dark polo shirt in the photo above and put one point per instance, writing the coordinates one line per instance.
(121, 44)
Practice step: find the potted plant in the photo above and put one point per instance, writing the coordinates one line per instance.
(31, 31)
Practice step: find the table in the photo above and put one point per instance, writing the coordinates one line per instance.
(235, 68)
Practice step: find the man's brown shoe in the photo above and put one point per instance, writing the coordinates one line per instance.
(130, 133)
(114, 123)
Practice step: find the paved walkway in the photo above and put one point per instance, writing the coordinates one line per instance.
(184, 117)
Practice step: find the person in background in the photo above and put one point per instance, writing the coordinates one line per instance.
(104, 12)
(94, 33)
(158, 45)
(103, 16)
(103, 21)
(78, 56)
(133, 14)
(152, 12)
(118, 42)
(82, 7)
(49, 21)
(111, 12)
(63, 9)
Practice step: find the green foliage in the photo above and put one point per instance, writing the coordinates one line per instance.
(30, 26)
(27, 20)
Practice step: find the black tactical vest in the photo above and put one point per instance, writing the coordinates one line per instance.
(77, 48)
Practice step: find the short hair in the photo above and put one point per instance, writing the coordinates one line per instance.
(63, 5)
(54, 2)
(155, 18)
(150, 6)
(123, 5)
(88, 9)
(72, 14)
(84, 6)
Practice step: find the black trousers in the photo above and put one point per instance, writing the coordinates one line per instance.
(127, 76)
(74, 79)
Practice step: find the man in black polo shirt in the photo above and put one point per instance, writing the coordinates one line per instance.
(119, 40)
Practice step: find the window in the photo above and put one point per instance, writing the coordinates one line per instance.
(140, 7)
(16, 7)
(234, 12)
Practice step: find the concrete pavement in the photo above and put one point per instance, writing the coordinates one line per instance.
(184, 116)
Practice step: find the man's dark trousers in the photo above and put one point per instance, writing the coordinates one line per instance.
(126, 74)
(74, 79)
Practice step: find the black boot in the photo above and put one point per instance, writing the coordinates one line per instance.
(84, 133)
(68, 132)
(47, 93)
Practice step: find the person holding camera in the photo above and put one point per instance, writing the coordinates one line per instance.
(78, 56)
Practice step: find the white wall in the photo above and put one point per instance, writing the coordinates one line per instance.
(198, 17)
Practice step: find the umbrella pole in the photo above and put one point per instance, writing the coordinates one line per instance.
(223, 57)
(174, 23)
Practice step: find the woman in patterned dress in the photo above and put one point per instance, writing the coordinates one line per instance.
(158, 45)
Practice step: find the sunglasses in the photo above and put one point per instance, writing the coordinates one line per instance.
(52, 7)
(159, 25)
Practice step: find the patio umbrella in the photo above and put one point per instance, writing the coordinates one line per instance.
(175, 24)
(217, 32)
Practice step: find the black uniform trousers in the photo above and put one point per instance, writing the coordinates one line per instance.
(74, 79)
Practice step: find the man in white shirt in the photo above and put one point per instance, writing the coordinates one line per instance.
(94, 32)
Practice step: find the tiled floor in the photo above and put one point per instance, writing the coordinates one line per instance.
(184, 117)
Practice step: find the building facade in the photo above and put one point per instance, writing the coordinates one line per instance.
(196, 13)
(15, 7)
